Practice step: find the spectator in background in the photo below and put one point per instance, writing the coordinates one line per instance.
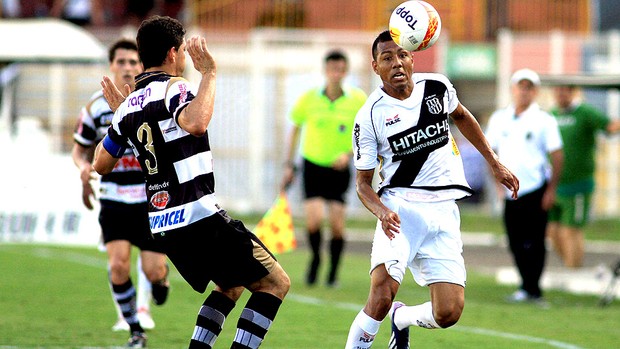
(525, 137)
(138, 10)
(579, 125)
(11, 8)
(80, 12)
(325, 115)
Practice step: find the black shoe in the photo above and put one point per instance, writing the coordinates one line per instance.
(160, 289)
(314, 268)
(137, 340)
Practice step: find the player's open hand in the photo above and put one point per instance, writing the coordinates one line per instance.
(86, 175)
(112, 94)
(196, 46)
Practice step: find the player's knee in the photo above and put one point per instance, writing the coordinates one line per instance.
(155, 272)
(118, 267)
(447, 316)
(284, 284)
(279, 283)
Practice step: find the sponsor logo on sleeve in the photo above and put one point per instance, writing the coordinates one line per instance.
(183, 95)
(356, 139)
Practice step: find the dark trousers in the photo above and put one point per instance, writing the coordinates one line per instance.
(525, 222)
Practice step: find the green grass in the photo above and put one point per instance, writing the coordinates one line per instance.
(475, 220)
(57, 297)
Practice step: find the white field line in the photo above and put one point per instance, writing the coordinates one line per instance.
(474, 330)
(95, 262)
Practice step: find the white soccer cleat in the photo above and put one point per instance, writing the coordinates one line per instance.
(146, 320)
(120, 325)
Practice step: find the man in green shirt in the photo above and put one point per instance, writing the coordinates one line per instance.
(324, 118)
(579, 124)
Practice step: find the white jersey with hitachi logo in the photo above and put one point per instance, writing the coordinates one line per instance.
(410, 141)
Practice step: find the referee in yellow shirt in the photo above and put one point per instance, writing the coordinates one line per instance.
(324, 117)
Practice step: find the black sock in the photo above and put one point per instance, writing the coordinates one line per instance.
(255, 320)
(125, 296)
(315, 245)
(335, 248)
(211, 320)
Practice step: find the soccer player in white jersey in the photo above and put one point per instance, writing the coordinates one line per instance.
(165, 121)
(123, 204)
(403, 129)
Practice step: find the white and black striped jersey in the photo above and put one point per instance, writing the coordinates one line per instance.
(126, 182)
(178, 166)
(410, 140)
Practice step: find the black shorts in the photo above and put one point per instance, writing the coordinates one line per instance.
(128, 222)
(325, 182)
(218, 249)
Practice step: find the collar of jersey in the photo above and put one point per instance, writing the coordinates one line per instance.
(144, 79)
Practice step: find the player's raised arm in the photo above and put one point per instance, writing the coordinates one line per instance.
(196, 116)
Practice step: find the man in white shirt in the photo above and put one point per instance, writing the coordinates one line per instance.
(525, 137)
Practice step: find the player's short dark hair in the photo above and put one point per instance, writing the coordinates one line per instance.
(335, 55)
(382, 37)
(156, 36)
(124, 44)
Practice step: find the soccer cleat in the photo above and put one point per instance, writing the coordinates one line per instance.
(521, 296)
(120, 325)
(160, 289)
(399, 338)
(137, 340)
(145, 319)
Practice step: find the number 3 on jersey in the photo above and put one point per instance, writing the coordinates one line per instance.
(145, 136)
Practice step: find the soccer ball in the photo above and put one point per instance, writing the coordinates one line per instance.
(415, 25)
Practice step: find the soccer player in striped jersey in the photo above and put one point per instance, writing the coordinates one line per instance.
(165, 122)
(403, 130)
(122, 197)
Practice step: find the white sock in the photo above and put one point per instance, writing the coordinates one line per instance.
(418, 315)
(119, 313)
(362, 332)
(143, 298)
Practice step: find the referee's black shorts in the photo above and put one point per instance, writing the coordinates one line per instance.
(325, 182)
(219, 249)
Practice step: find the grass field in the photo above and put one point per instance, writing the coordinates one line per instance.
(57, 297)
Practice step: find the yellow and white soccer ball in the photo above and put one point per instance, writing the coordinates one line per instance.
(415, 25)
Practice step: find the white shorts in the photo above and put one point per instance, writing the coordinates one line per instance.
(429, 242)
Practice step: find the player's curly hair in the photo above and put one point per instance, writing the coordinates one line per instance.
(156, 36)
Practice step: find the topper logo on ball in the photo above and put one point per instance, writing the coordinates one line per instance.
(407, 17)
